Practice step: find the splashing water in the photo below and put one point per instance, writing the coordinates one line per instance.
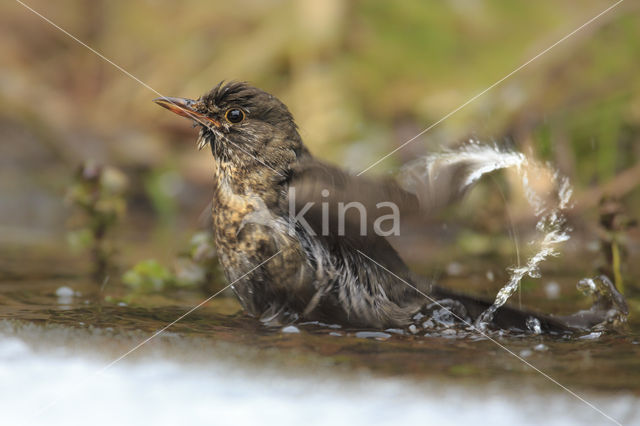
(606, 299)
(440, 179)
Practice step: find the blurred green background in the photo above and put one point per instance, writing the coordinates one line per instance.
(361, 78)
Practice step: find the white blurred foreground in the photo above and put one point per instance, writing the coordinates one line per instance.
(171, 383)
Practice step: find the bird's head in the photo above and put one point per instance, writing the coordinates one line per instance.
(245, 126)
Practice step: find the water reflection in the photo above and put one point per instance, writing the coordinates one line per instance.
(71, 309)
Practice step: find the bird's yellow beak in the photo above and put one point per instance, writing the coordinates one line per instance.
(186, 108)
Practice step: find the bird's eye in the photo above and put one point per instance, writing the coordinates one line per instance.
(234, 115)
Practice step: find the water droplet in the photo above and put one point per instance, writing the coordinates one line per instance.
(378, 335)
(64, 291)
(454, 269)
(533, 325)
(525, 353)
(591, 336)
(552, 290)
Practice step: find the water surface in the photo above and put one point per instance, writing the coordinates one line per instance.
(58, 328)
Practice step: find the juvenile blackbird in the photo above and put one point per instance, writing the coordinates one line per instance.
(320, 267)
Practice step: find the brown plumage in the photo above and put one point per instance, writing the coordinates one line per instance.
(346, 277)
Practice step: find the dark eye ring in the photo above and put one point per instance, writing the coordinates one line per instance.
(234, 115)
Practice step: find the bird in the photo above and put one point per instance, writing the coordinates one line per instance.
(288, 249)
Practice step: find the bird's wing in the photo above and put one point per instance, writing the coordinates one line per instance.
(440, 179)
(367, 263)
(343, 209)
(422, 186)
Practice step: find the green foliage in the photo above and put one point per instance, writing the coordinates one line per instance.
(542, 137)
(149, 276)
(98, 194)
(196, 267)
(161, 187)
(80, 239)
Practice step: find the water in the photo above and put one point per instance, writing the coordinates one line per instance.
(442, 178)
(56, 330)
(551, 231)
(163, 390)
